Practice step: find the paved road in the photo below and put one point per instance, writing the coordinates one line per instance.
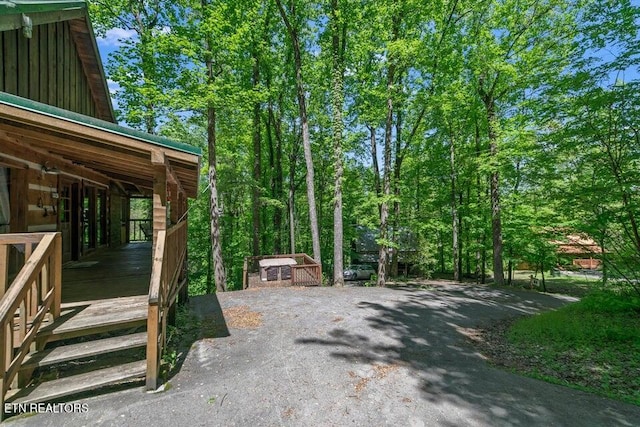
(353, 357)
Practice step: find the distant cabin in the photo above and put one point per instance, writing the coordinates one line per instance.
(581, 250)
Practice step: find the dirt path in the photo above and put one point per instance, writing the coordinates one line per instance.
(352, 356)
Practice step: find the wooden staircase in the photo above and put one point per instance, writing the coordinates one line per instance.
(95, 336)
(88, 344)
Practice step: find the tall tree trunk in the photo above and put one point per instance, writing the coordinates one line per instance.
(383, 255)
(292, 198)
(148, 65)
(460, 234)
(306, 141)
(467, 234)
(210, 280)
(487, 93)
(496, 223)
(277, 214)
(454, 209)
(214, 207)
(396, 192)
(510, 267)
(274, 128)
(257, 159)
(219, 273)
(483, 265)
(374, 161)
(480, 239)
(338, 43)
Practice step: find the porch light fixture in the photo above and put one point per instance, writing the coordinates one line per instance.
(51, 170)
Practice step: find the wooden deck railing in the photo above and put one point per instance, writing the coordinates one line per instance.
(33, 297)
(306, 273)
(166, 281)
(140, 230)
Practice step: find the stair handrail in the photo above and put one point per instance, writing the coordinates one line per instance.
(35, 292)
(168, 259)
(154, 328)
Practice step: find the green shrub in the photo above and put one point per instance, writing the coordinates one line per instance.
(609, 302)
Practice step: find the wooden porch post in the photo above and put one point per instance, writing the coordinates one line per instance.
(19, 200)
(159, 194)
(174, 207)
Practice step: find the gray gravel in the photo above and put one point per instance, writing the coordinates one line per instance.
(353, 356)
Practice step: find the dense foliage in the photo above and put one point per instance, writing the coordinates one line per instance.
(487, 128)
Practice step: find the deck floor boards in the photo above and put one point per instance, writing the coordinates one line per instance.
(109, 273)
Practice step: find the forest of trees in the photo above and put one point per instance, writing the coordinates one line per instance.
(488, 127)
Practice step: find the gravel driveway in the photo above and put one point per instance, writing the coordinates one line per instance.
(352, 356)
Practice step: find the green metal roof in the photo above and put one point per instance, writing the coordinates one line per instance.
(9, 7)
(59, 113)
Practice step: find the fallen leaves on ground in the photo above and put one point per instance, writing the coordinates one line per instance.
(241, 317)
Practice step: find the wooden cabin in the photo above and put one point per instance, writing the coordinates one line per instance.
(67, 174)
(581, 250)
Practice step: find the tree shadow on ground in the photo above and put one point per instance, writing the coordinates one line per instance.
(427, 333)
(201, 318)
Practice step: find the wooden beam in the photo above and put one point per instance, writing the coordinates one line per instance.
(159, 158)
(9, 162)
(16, 150)
(80, 130)
(136, 182)
(83, 152)
(120, 187)
(173, 178)
(48, 131)
(84, 145)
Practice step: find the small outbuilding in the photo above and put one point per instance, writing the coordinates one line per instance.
(276, 268)
(281, 270)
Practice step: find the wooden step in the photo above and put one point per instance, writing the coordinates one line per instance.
(52, 390)
(65, 353)
(94, 317)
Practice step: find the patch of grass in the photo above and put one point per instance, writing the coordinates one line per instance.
(593, 344)
(578, 285)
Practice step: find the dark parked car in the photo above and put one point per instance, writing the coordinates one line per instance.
(358, 272)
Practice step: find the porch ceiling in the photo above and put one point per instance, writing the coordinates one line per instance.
(91, 149)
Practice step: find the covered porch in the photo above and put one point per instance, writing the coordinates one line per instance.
(67, 269)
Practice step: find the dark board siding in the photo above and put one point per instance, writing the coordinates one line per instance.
(45, 68)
